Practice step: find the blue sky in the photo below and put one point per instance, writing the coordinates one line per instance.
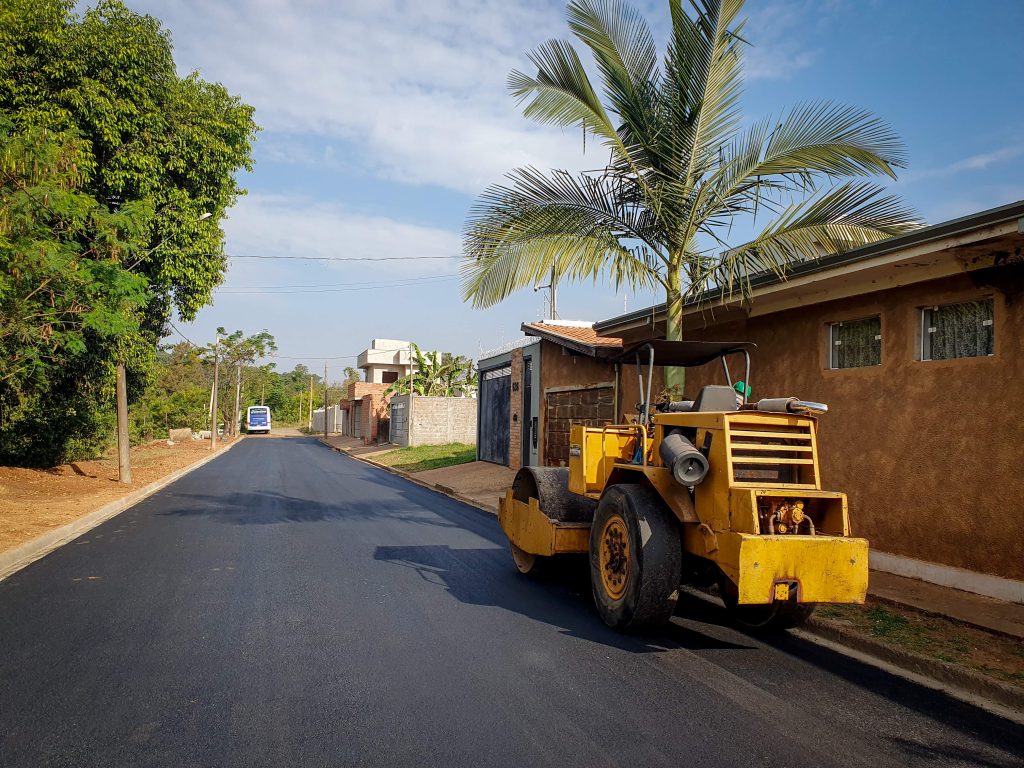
(383, 120)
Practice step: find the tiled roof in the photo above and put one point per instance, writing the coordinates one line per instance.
(585, 340)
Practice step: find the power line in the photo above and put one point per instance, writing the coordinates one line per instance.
(186, 338)
(338, 285)
(285, 290)
(337, 258)
(309, 357)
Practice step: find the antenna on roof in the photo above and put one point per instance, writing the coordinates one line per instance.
(553, 301)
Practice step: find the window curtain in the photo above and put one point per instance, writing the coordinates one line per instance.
(858, 344)
(959, 330)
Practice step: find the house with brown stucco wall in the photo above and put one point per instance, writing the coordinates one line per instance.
(917, 346)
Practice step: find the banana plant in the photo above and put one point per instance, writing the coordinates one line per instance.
(436, 374)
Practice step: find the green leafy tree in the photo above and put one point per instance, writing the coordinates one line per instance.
(178, 396)
(682, 167)
(143, 166)
(236, 351)
(68, 307)
(176, 142)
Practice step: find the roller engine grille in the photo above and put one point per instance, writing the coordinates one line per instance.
(763, 453)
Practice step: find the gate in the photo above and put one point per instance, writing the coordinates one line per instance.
(357, 420)
(495, 394)
(400, 421)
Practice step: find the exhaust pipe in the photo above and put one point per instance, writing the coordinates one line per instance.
(689, 466)
(792, 405)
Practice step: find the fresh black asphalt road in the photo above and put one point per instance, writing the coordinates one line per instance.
(285, 605)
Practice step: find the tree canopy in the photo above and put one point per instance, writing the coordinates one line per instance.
(115, 175)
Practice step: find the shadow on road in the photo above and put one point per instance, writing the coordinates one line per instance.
(561, 600)
(271, 508)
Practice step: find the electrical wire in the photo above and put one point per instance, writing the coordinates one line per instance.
(309, 357)
(339, 285)
(186, 338)
(336, 258)
(285, 290)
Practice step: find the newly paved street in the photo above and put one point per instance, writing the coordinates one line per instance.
(288, 606)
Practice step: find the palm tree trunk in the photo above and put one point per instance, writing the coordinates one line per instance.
(675, 377)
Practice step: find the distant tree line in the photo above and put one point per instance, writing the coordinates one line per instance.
(183, 380)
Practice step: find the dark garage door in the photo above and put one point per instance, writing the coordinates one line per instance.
(495, 392)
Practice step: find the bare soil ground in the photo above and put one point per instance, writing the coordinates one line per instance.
(35, 501)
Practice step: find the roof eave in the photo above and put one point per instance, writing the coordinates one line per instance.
(935, 232)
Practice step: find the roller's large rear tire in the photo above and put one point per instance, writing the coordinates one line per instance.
(771, 617)
(635, 559)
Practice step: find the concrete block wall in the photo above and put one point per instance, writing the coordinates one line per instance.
(334, 414)
(439, 420)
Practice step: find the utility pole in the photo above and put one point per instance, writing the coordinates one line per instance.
(216, 372)
(325, 399)
(310, 427)
(238, 397)
(124, 454)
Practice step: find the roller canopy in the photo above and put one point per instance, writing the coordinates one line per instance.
(688, 354)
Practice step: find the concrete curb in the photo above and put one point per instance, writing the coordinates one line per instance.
(443, 489)
(941, 672)
(13, 560)
(963, 684)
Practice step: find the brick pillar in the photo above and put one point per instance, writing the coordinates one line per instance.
(369, 421)
(515, 426)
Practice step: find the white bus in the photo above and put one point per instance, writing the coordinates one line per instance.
(257, 420)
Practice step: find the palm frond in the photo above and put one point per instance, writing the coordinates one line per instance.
(703, 81)
(561, 92)
(848, 216)
(619, 38)
(515, 235)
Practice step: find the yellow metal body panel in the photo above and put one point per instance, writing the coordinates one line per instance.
(536, 533)
(824, 569)
(593, 452)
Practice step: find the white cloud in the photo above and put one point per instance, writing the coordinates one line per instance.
(976, 162)
(778, 35)
(418, 88)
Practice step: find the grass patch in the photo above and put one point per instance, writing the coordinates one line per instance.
(991, 654)
(424, 457)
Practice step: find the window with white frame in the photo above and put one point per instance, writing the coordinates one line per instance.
(855, 343)
(957, 330)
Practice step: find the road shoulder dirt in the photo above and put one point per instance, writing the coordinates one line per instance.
(45, 509)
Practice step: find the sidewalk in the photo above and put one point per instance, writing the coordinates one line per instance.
(482, 483)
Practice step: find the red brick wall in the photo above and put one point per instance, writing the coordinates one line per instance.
(374, 405)
(515, 438)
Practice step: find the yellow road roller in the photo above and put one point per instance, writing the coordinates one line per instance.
(717, 490)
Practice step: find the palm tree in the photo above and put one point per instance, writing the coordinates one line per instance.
(682, 167)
